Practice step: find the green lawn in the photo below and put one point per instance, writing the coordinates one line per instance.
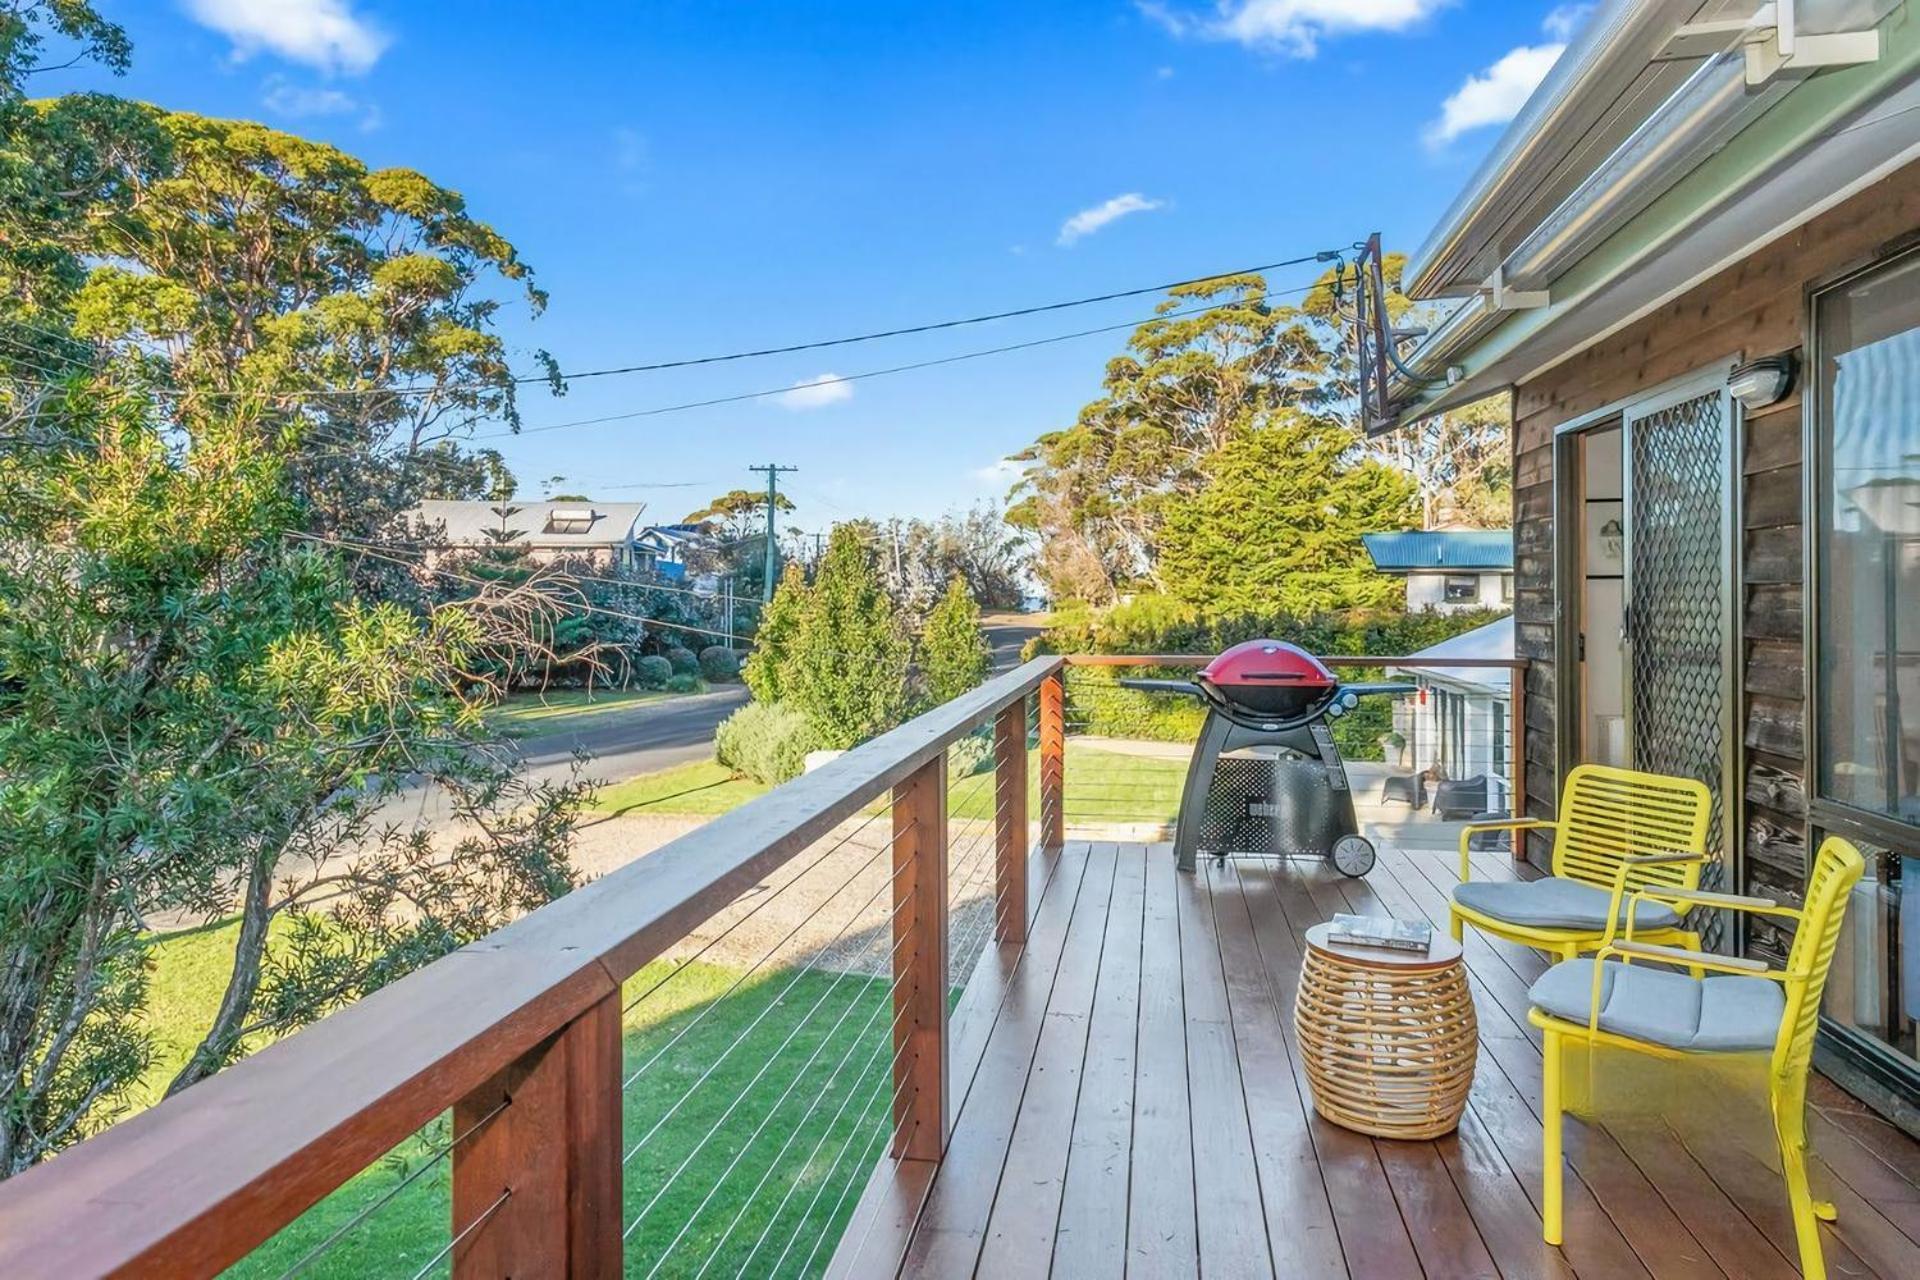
(782, 1088)
(1102, 786)
(189, 975)
(798, 1058)
(702, 789)
(557, 710)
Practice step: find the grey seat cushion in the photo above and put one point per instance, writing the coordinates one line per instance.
(1555, 903)
(1723, 1014)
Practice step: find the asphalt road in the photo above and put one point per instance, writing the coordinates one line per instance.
(1005, 634)
(650, 736)
(621, 744)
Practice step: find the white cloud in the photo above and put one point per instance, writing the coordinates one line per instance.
(1293, 27)
(817, 393)
(1565, 22)
(301, 102)
(630, 150)
(325, 34)
(1088, 221)
(999, 473)
(1493, 96)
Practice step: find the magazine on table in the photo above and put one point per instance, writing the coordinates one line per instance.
(1380, 931)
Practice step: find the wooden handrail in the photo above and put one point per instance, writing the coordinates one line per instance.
(1332, 660)
(529, 1013)
(191, 1185)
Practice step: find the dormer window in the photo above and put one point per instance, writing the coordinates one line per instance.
(570, 520)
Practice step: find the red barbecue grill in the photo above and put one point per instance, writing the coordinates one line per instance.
(1266, 779)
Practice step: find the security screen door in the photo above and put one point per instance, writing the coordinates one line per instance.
(1680, 599)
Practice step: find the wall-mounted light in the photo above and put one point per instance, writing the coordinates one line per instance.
(1759, 383)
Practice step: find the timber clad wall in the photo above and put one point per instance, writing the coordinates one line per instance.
(1756, 307)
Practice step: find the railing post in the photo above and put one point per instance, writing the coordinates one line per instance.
(1010, 823)
(1053, 760)
(1517, 743)
(920, 962)
(536, 1168)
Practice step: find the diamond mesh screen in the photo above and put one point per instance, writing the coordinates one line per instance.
(1266, 804)
(1679, 605)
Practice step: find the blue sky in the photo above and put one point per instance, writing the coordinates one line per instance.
(690, 177)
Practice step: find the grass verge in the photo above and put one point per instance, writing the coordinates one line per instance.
(753, 1115)
(522, 715)
(1102, 786)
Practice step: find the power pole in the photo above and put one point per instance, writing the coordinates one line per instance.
(773, 471)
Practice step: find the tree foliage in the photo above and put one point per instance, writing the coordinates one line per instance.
(836, 650)
(953, 652)
(200, 707)
(1230, 405)
(765, 670)
(347, 302)
(851, 653)
(922, 557)
(1276, 526)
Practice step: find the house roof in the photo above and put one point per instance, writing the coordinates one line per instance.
(1495, 640)
(1643, 165)
(1462, 549)
(586, 525)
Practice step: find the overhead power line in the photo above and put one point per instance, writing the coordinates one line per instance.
(935, 362)
(1325, 255)
(818, 344)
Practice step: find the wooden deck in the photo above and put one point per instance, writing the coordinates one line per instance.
(1128, 1101)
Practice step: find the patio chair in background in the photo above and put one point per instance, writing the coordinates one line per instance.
(1460, 797)
(1619, 831)
(1745, 1007)
(1409, 789)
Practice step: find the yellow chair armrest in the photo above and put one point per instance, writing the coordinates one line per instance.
(1680, 955)
(1627, 864)
(1511, 824)
(1684, 898)
(1662, 859)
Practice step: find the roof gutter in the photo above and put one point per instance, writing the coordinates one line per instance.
(1712, 106)
(1624, 34)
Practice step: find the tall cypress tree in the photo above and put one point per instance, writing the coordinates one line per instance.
(850, 652)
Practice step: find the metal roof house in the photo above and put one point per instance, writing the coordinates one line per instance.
(1459, 721)
(1693, 263)
(550, 530)
(1448, 570)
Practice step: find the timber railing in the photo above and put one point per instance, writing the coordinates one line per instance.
(520, 1037)
(687, 1067)
(1467, 719)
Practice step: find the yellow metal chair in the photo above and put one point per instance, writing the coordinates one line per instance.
(1618, 831)
(1745, 1007)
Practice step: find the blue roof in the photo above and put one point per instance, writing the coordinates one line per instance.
(1440, 549)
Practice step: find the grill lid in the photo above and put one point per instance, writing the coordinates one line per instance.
(1268, 663)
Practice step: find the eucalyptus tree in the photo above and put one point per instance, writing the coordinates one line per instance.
(1217, 362)
(199, 710)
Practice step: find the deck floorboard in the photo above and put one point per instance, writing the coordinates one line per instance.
(1133, 1104)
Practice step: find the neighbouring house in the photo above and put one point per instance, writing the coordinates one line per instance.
(606, 532)
(1448, 570)
(1693, 263)
(1456, 727)
(663, 548)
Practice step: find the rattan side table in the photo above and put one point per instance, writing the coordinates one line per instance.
(1387, 1037)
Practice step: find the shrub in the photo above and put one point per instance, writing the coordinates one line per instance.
(683, 683)
(969, 755)
(683, 661)
(766, 667)
(766, 741)
(719, 663)
(953, 654)
(652, 672)
(848, 662)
